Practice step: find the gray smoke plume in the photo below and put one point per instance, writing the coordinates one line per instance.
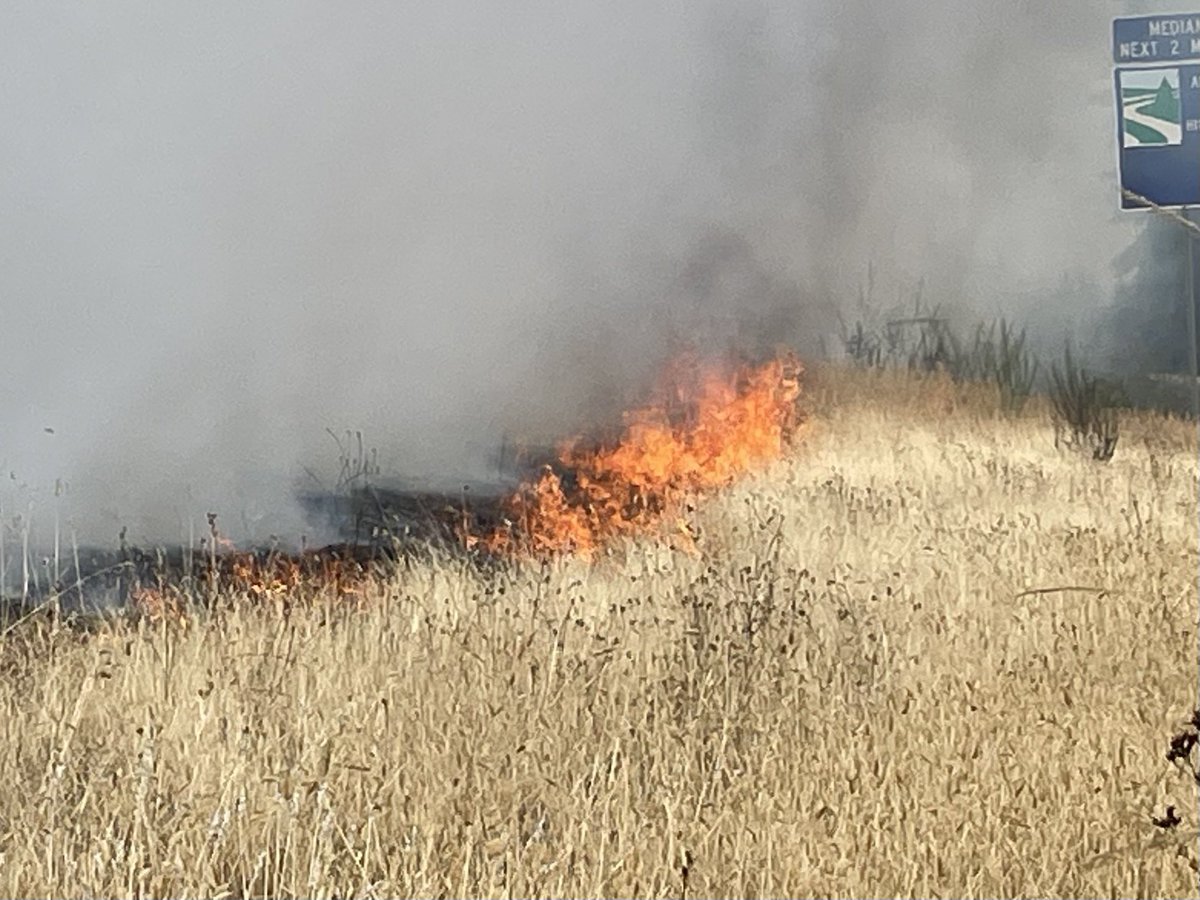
(229, 230)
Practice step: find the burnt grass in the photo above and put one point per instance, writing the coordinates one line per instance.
(383, 528)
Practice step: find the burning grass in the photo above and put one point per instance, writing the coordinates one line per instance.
(272, 580)
(707, 425)
(926, 654)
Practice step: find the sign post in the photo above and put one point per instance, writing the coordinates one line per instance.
(1191, 290)
(1157, 79)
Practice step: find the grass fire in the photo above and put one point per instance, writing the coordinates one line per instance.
(919, 651)
(574, 449)
(709, 424)
(706, 423)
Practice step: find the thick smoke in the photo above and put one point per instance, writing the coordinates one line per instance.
(230, 230)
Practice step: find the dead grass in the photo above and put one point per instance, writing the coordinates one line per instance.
(927, 655)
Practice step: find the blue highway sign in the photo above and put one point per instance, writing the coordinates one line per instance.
(1158, 134)
(1156, 39)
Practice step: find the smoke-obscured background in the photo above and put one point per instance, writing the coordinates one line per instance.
(225, 229)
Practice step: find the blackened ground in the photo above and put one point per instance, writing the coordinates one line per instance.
(439, 514)
(378, 526)
(106, 580)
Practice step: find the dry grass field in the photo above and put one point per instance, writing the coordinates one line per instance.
(927, 654)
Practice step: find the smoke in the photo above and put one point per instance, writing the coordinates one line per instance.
(227, 232)
(1147, 329)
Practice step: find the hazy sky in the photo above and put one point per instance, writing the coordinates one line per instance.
(226, 228)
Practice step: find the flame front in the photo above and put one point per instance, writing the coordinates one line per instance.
(275, 580)
(707, 426)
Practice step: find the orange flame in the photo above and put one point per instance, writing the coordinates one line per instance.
(159, 604)
(276, 580)
(707, 426)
